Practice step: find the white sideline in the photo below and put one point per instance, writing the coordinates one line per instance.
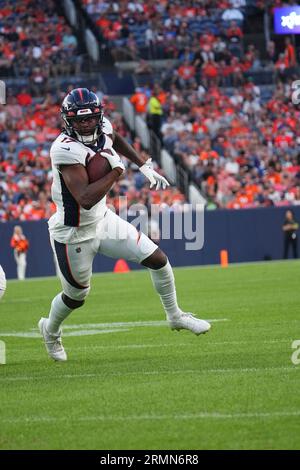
(188, 416)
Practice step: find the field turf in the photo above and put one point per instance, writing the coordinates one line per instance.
(131, 383)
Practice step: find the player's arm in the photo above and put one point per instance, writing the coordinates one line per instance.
(145, 165)
(124, 148)
(85, 194)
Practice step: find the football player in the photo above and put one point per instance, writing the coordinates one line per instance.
(84, 226)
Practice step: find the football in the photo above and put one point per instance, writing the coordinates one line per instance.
(97, 167)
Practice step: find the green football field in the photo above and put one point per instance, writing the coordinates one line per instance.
(131, 383)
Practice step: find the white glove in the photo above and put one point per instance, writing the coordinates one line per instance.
(113, 159)
(153, 176)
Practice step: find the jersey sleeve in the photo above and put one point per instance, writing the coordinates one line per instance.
(70, 153)
(107, 127)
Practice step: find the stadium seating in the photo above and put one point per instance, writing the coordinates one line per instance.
(225, 146)
(36, 43)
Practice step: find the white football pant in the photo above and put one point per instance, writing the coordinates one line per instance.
(115, 237)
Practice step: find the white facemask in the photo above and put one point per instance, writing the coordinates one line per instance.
(87, 139)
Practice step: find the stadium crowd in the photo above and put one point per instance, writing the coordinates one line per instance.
(159, 29)
(240, 146)
(242, 152)
(242, 149)
(36, 43)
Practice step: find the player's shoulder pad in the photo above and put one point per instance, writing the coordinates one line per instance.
(67, 151)
(108, 143)
(107, 127)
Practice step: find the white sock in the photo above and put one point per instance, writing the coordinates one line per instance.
(164, 283)
(58, 313)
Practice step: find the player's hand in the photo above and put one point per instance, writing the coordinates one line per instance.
(113, 159)
(152, 175)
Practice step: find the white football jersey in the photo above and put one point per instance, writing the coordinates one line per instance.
(72, 223)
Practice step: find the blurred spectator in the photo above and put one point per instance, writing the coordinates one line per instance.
(20, 245)
(290, 228)
(271, 52)
(232, 14)
(289, 53)
(186, 73)
(155, 113)
(234, 33)
(139, 101)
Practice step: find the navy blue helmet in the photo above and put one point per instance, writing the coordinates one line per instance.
(82, 113)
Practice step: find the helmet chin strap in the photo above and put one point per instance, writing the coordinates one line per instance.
(87, 139)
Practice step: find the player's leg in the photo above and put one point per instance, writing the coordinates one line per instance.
(124, 241)
(75, 270)
(74, 262)
(164, 282)
(120, 239)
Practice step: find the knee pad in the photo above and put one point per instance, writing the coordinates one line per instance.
(77, 294)
(71, 303)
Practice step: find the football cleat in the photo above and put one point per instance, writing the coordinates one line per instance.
(53, 343)
(187, 321)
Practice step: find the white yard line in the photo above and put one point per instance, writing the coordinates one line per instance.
(154, 417)
(95, 328)
(72, 333)
(129, 324)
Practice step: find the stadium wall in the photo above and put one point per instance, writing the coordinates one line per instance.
(248, 235)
